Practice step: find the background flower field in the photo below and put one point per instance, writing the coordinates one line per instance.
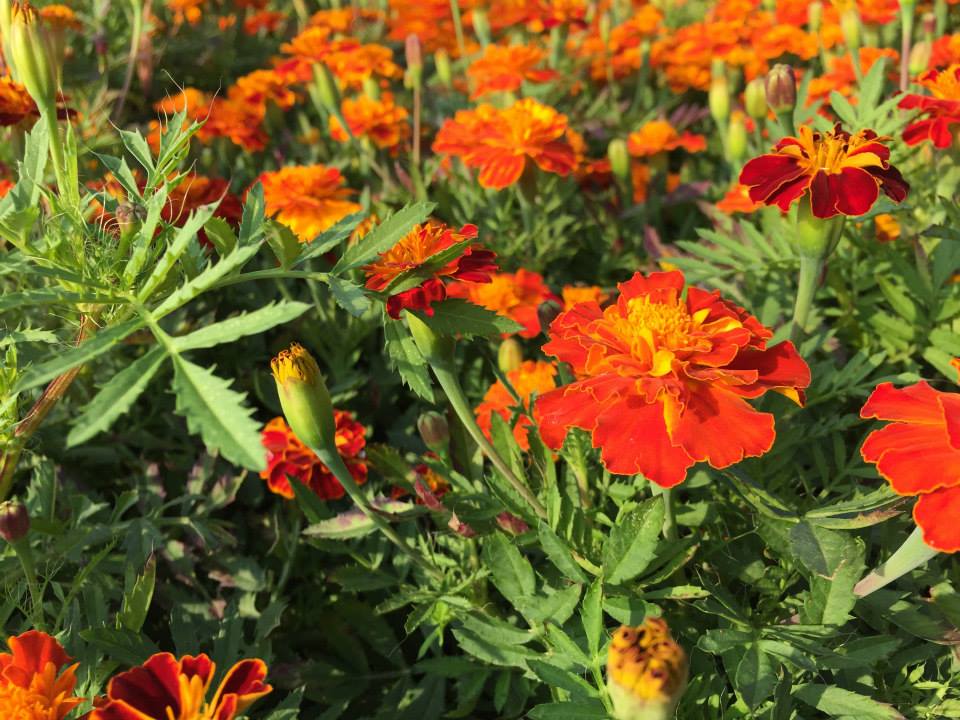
(550, 359)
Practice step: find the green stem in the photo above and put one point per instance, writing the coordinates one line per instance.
(56, 150)
(669, 519)
(458, 27)
(25, 555)
(785, 117)
(912, 554)
(810, 268)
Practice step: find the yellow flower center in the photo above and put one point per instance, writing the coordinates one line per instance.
(646, 661)
(42, 700)
(831, 152)
(295, 364)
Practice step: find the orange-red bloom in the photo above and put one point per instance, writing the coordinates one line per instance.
(663, 379)
(411, 258)
(842, 173)
(15, 102)
(576, 294)
(382, 121)
(939, 112)
(513, 295)
(307, 198)
(165, 688)
(287, 456)
(918, 453)
(738, 199)
(32, 686)
(501, 143)
(658, 136)
(532, 377)
(503, 68)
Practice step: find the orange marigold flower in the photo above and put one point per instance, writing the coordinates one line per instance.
(382, 121)
(841, 77)
(60, 16)
(34, 684)
(193, 191)
(575, 294)
(939, 111)
(918, 453)
(663, 379)
(411, 259)
(878, 12)
(267, 21)
(842, 173)
(288, 456)
(737, 200)
(503, 68)
(260, 86)
(501, 142)
(15, 102)
(513, 295)
(658, 136)
(165, 687)
(886, 227)
(533, 377)
(307, 199)
(189, 11)
(350, 61)
(945, 51)
(430, 20)
(621, 54)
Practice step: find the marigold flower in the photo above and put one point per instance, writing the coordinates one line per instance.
(266, 21)
(503, 68)
(887, 228)
(34, 682)
(384, 122)
(646, 669)
(621, 54)
(513, 295)
(60, 16)
(532, 377)
(350, 61)
(194, 191)
(501, 143)
(576, 294)
(307, 199)
(287, 456)
(186, 11)
(165, 687)
(939, 112)
(918, 453)
(15, 103)
(428, 485)
(430, 20)
(412, 255)
(659, 136)
(663, 379)
(842, 173)
(841, 77)
(737, 200)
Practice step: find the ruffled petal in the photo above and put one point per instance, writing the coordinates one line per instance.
(936, 515)
(914, 404)
(913, 458)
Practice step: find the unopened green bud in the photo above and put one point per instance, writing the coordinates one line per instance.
(327, 89)
(736, 146)
(547, 312)
(304, 397)
(619, 158)
(434, 431)
(436, 349)
(509, 355)
(14, 521)
(920, 57)
(371, 88)
(814, 16)
(444, 72)
(646, 671)
(781, 87)
(755, 99)
(481, 26)
(719, 94)
(414, 59)
(850, 25)
(30, 55)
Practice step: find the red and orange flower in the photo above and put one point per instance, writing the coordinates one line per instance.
(659, 136)
(842, 173)
(532, 377)
(35, 683)
(939, 111)
(382, 121)
(503, 143)
(412, 255)
(165, 688)
(514, 295)
(307, 198)
(663, 379)
(288, 456)
(918, 453)
(504, 68)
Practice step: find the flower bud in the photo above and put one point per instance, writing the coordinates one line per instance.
(31, 57)
(304, 397)
(646, 671)
(511, 524)
(719, 94)
(547, 312)
(619, 158)
(850, 25)
(434, 430)
(414, 59)
(781, 86)
(371, 88)
(755, 99)
(14, 521)
(736, 145)
(928, 22)
(327, 88)
(920, 57)
(814, 17)
(604, 29)
(436, 349)
(444, 72)
(481, 26)
(509, 355)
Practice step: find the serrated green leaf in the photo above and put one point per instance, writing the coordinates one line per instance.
(329, 238)
(559, 554)
(384, 236)
(206, 279)
(177, 247)
(569, 711)
(836, 562)
(405, 357)
(350, 297)
(557, 677)
(252, 220)
(591, 615)
(512, 572)
(251, 323)
(632, 543)
(456, 316)
(837, 702)
(222, 236)
(136, 602)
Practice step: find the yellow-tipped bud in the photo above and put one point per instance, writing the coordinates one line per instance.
(755, 99)
(444, 72)
(304, 397)
(619, 158)
(646, 671)
(509, 355)
(718, 96)
(850, 25)
(30, 54)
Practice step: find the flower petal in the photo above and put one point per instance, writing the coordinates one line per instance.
(913, 458)
(914, 404)
(936, 514)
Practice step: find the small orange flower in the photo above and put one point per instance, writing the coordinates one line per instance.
(259, 87)
(189, 11)
(503, 68)
(887, 228)
(513, 295)
(737, 200)
(60, 17)
(307, 199)
(533, 377)
(165, 688)
(878, 12)
(502, 143)
(576, 294)
(265, 21)
(34, 685)
(621, 54)
(287, 456)
(430, 20)
(412, 255)
(349, 60)
(383, 122)
(15, 102)
(918, 453)
(663, 376)
(659, 136)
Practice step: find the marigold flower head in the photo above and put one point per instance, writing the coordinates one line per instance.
(841, 77)
(737, 200)
(430, 20)
(576, 294)
(194, 191)
(15, 102)
(307, 199)
(186, 11)
(380, 120)
(501, 143)
(878, 12)
(514, 295)
(939, 111)
(165, 687)
(646, 668)
(621, 54)
(533, 377)
(659, 136)
(34, 682)
(60, 17)
(663, 379)
(503, 68)
(887, 228)
(918, 454)
(411, 258)
(288, 456)
(264, 21)
(261, 86)
(842, 173)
